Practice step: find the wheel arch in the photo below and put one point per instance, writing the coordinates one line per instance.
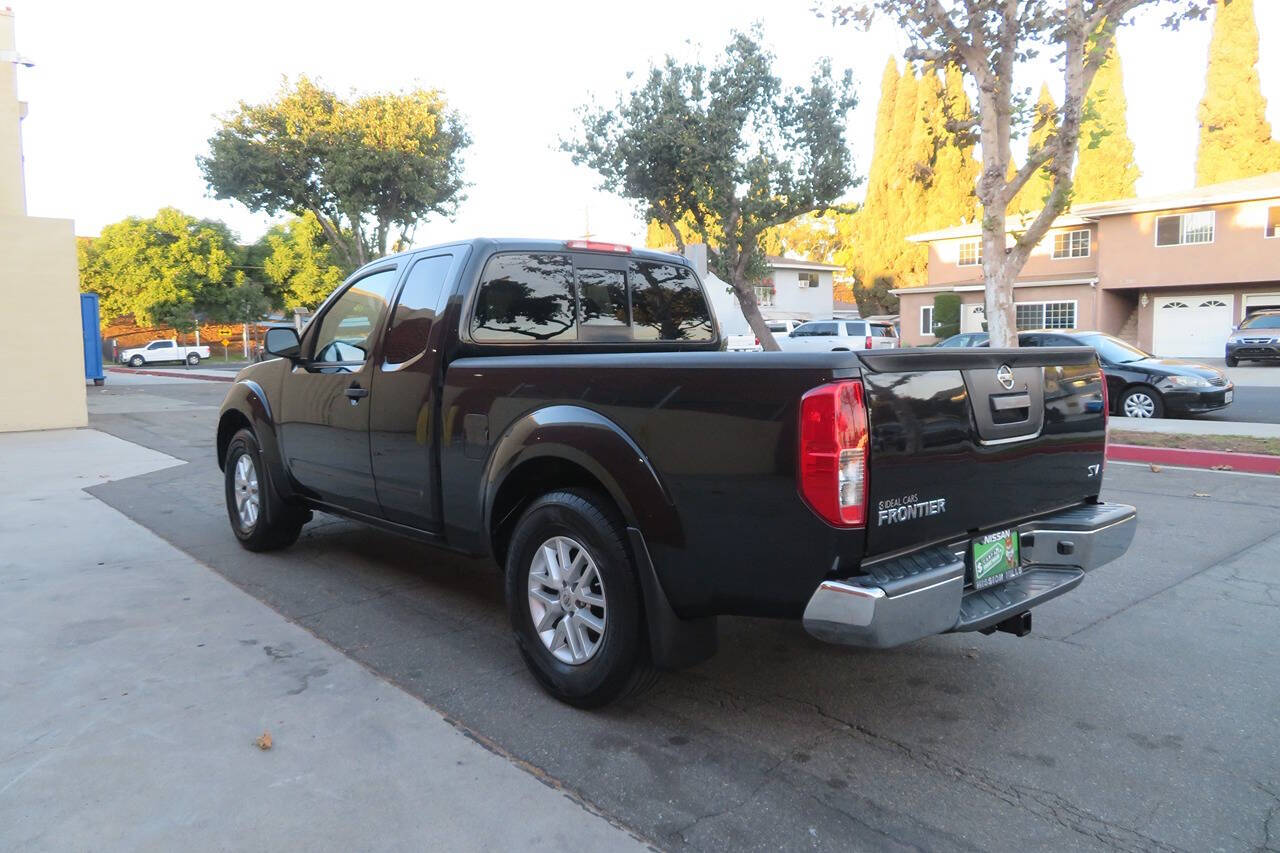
(564, 446)
(246, 405)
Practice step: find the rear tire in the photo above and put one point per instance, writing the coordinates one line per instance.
(259, 518)
(193, 358)
(575, 602)
(1142, 402)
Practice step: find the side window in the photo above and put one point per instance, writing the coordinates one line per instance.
(823, 330)
(162, 345)
(667, 304)
(857, 330)
(525, 298)
(346, 329)
(602, 299)
(416, 309)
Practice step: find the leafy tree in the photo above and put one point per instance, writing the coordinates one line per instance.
(171, 269)
(946, 315)
(1235, 136)
(1106, 168)
(727, 147)
(955, 171)
(990, 40)
(296, 262)
(1035, 191)
(364, 168)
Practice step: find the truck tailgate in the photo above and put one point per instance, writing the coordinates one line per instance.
(971, 440)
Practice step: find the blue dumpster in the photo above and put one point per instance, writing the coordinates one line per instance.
(92, 338)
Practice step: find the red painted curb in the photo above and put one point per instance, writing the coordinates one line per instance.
(173, 373)
(1251, 463)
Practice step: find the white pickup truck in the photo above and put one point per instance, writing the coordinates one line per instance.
(164, 350)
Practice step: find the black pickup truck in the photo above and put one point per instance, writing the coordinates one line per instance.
(566, 408)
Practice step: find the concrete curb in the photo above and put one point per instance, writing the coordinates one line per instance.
(1252, 463)
(173, 373)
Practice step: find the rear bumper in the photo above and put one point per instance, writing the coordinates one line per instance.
(924, 593)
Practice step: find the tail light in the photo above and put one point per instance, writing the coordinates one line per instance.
(868, 342)
(833, 453)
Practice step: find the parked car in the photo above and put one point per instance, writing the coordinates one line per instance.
(838, 335)
(1257, 338)
(635, 483)
(162, 351)
(964, 339)
(1140, 385)
(782, 328)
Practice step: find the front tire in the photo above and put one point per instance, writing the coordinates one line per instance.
(193, 358)
(260, 520)
(137, 361)
(1142, 402)
(574, 600)
(1232, 362)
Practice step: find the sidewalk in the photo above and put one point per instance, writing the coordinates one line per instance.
(1190, 426)
(134, 681)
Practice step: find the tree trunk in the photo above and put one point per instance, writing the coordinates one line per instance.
(751, 310)
(999, 271)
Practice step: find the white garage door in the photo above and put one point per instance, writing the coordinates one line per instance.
(1192, 325)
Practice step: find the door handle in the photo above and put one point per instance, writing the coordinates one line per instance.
(355, 392)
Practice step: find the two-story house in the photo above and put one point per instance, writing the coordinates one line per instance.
(1172, 273)
(791, 290)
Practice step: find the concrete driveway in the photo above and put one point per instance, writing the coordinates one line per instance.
(1141, 714)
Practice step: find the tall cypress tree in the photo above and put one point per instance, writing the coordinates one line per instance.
(952, 199)
(1033, 193)
(1235, 137)
(1106, 168)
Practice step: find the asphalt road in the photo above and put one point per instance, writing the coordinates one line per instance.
(1141, 714)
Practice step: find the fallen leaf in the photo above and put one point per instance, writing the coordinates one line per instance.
(1223, 468)
(971, 653)
(1155, 467)
(264, 742)
(1201, 495)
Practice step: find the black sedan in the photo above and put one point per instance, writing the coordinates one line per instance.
(1139, 384)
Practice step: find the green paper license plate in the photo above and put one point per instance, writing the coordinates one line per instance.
(996, 558)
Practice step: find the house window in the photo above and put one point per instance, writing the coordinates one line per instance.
(1071, 244)
(808, 279)
(764, 295)
(1273, 221)
(1185, 229)
(1045, 315)
(926, 320)
(970, 253)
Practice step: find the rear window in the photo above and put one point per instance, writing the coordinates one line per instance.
(667, 304)
(524, 298)
(883, 330)
(532, 297)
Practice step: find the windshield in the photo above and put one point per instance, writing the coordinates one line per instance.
(1114, 350)
(1262, 321)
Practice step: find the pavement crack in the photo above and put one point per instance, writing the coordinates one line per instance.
(1270, 836)
(1038, 802)
(767, 775)
(1157, 592)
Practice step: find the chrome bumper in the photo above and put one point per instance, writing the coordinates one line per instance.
(923, 593)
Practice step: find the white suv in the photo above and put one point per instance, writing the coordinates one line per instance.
(823, 335)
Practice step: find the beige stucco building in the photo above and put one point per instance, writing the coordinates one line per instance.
(41, 351)
(1172, 274)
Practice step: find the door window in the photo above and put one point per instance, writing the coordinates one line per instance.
(416, 309)
(857, 330)
(346, 330)
(525, 298)
(160, 345)
(667, 304)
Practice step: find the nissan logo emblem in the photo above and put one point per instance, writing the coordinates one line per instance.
(1004, 375)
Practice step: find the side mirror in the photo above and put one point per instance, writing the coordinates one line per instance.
(282, 342)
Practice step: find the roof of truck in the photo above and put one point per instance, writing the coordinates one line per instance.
(520, 244)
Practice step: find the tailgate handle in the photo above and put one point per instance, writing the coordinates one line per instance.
(1005, 402)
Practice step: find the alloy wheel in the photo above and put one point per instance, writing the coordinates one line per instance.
(245, 484)
(566, 600)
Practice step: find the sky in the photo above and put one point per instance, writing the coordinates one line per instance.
(124, 95)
